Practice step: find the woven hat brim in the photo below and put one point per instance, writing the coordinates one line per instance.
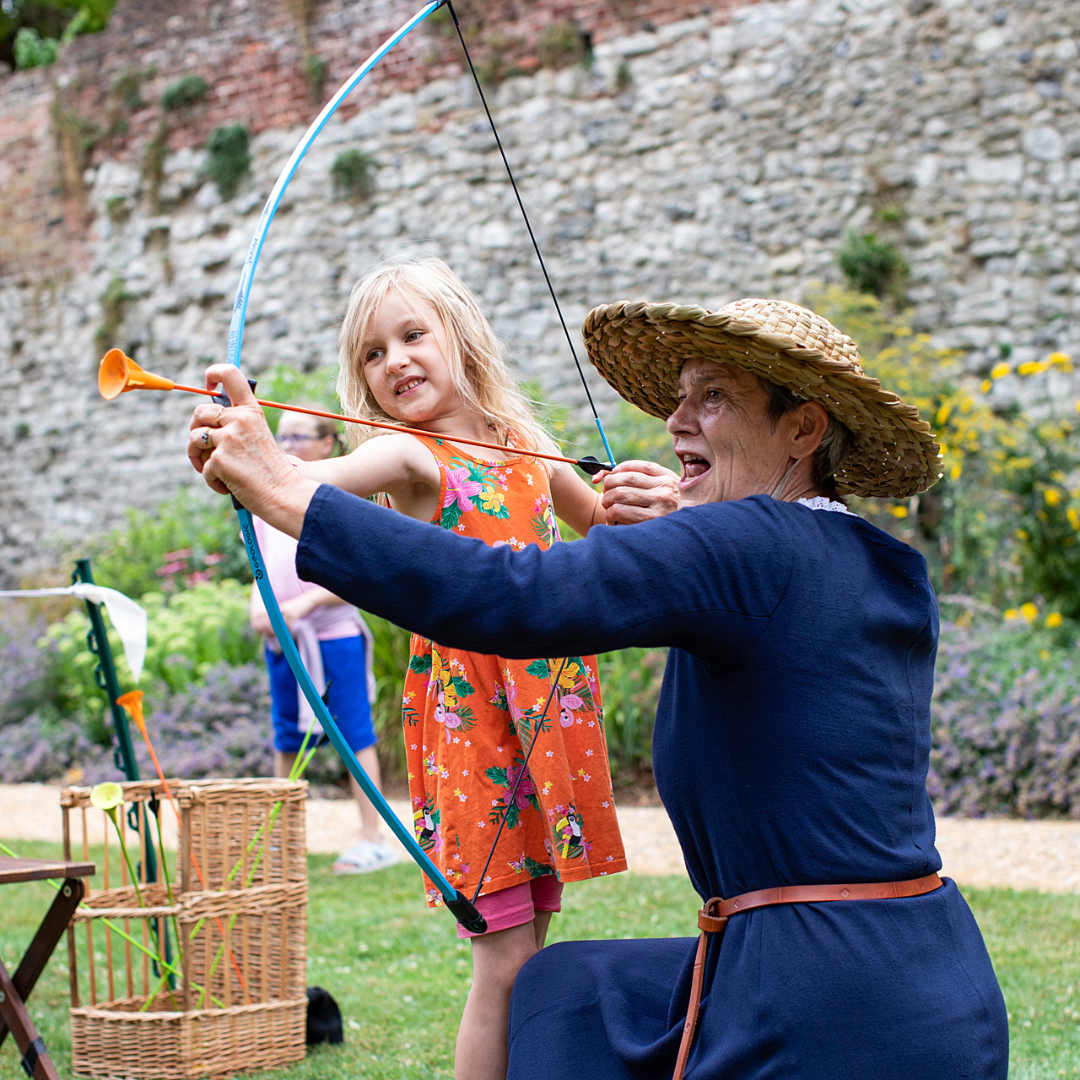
(640, 349)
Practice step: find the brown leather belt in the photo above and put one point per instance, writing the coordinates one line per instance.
(713, 918)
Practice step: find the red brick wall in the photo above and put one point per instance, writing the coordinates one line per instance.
(249, 52)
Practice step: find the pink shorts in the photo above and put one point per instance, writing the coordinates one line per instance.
(518, 904)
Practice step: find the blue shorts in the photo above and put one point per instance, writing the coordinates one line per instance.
(345, 667)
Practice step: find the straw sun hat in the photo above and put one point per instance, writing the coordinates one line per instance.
(640, 349)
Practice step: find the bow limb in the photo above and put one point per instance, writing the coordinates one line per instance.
(459, 905)
(239, 314)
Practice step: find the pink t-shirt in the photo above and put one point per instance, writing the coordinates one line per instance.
(279, 557)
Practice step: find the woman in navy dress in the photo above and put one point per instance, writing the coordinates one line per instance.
(793, 729)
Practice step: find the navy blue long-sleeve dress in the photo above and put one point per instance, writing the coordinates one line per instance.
(790, 748)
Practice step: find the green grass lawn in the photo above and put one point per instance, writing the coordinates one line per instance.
(400, 974)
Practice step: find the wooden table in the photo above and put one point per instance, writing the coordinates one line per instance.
(14, 990)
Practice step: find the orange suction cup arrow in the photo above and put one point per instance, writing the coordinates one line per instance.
(132, 703)
(119, 373)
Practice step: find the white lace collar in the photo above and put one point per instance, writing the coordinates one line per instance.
(822, 502)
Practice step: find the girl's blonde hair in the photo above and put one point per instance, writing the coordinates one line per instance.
(473, 357)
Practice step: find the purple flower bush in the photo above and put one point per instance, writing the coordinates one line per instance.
(220, 727)
(36, 741)
(24, 668)
(41, 750)
(1006, 721)
(217, 727)
(1005, 716)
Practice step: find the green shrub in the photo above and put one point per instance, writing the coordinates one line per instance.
(32, 50)
(153, 164)
(230, 158)
(315, 69)
(113, 302)
(1003, 523)
(353, 174)
(629, 688)
(562, 44)
(390, 658)
(496, 65)
(58, 21)
(191, 538)
(289, 385)
(1042, 478)
(187, 634)
(127, 87)
(190, 90)
(872, 266)
(117, 209)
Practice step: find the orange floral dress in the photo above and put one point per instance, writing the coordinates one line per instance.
(470, 719)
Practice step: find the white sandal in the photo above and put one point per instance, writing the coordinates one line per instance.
(365, 857)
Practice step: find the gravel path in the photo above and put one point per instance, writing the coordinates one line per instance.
(1040, 855)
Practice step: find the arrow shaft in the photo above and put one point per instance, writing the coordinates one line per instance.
(380, 424)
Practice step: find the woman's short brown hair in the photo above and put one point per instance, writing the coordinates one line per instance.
(836, 444)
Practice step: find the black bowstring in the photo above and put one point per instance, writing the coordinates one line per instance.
(528, 225)
(592, 405)
(521, 776)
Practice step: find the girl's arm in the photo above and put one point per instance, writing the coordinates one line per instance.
(399, 465)
(633, 491)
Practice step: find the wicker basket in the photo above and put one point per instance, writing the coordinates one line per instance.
(238, 910)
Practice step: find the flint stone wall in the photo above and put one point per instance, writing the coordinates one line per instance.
(717, 156)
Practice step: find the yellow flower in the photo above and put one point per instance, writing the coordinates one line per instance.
(1031, 367)
(943, 414)
(955, 471)
(1010, 613)
(1000, 370)
(1074, 518)
(1044, 654)
(107, 796)
(568, 679)
(1021, 534)
(1052, 496)
(1029, 611)
(1053, 620)
(900, 511)
(985, 386)
(1061, 359)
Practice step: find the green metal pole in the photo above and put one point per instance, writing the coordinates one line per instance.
(123, 753)
(105, 676)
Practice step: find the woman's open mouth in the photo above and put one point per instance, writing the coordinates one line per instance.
(693, 467)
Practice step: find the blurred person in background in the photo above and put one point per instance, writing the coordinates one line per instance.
(336, 647)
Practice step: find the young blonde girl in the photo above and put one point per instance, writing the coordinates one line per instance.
(415, 349)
